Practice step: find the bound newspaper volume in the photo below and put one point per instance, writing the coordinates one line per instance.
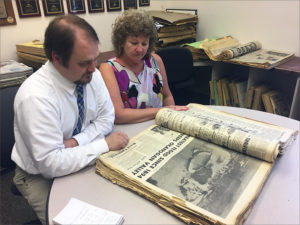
(201, 165)
(251, 54)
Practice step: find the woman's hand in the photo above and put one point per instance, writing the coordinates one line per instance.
(177, 107)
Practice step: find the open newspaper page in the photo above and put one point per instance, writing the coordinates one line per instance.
(265, 59)
(251, 54)
(254, 138)
(197, 181)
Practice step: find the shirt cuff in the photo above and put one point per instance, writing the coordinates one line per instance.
(81, 139)
(99, 145)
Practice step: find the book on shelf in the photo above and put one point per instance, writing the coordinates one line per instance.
(234, 94)
(249, 97)
(79, 212)
(267, 101)
(202, 165)
(212, 98)
(220, 92)
(251, 54)
(280, 105)
(226, 92)
(275, 102)
(257, 98)
(241, 87)
(233, 91)
(216, 92)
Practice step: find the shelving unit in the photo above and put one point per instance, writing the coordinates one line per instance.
(285, 78)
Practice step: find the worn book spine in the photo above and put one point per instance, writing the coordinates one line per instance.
(226, 95)
(212, 93)
(216, 92)
(280, 104)
(220, 93)
(258, 91)
(241, 87)
(235, 99)
(267, 101)
(249, 97)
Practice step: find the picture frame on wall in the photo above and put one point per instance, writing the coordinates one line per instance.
(113, 5)
(130, 4)
(53, 7)
(144, 2)
(7, 15)
(96, 6)
(28, 8)
(76, 6)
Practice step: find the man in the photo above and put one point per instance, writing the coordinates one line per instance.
(58, 129)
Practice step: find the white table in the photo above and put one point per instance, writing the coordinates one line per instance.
(278, 202)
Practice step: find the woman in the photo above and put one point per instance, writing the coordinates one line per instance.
(136, 78)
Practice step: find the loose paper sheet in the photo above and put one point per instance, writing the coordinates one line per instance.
(79, 212)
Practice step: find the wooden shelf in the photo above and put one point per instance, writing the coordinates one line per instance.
(293, 65)
(285, 77)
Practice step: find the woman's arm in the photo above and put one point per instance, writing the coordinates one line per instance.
(168, 97)
(123, 115)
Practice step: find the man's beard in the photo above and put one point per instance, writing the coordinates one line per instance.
(83, 80)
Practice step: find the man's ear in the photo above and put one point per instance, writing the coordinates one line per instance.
(56, 58)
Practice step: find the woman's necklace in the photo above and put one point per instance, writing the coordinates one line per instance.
(137, 68)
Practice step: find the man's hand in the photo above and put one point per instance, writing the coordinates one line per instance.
(70, 143)
(116, 140)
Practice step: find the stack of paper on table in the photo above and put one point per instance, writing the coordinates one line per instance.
(13, 73)
(79, 212)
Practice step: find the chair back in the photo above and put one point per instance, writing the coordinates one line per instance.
(178, 62)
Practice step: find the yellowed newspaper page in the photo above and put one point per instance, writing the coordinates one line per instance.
(197, 181)
(228, 49)
(250, 137)
(240, 50)
(214, 48)
(262, 58)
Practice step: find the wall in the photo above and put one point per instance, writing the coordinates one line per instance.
(28, 29)
(274, 23)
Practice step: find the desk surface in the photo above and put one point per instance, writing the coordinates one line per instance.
(278, 202)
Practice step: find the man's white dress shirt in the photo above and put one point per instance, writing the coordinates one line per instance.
(46, 114)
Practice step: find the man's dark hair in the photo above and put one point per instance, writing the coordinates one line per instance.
(60, 38)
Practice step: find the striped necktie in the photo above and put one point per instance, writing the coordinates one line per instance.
(80, 104)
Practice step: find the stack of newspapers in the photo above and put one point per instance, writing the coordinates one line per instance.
(13, 73)
(202, 165)
(32, 53)
(174, 28)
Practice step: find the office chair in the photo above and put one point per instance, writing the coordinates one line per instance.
(178, 62)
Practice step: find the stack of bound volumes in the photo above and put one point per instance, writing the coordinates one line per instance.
(174, 28)
(32, 53)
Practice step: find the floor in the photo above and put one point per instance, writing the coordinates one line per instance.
(14, 208)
